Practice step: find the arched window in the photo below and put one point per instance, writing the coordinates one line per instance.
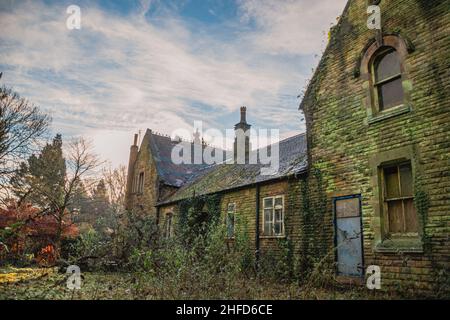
(387, 79)
(384, 70)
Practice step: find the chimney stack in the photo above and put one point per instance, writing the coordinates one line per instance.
(242, 139)
(134, 149)
(243, 114)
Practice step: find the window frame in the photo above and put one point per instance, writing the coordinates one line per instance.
(227, 220)
(274, 207)
(386, 200)
(140, 182)
(376, 85)
(371, 51)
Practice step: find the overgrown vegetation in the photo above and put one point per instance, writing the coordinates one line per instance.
(149, 266)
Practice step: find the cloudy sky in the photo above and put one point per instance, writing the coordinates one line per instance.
(162, 64)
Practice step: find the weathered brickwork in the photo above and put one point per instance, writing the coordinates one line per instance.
(349, 142)
(146, 200)
(346, 146)
(245, 204)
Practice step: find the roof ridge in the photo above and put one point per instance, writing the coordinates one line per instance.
(282, 141)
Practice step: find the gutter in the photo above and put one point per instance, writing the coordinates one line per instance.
(257, 253)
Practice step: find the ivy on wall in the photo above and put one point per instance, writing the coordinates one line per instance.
(308, 206)
(197, 215)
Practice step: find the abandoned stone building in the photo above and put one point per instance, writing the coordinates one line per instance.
(369, 182)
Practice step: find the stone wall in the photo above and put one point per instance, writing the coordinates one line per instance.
(144, 202)
(346, 145)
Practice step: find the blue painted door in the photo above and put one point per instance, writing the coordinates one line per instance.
(348, 236)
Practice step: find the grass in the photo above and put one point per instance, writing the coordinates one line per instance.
(126, 286)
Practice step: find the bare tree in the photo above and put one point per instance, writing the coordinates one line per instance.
(22, 124)
(56, 201)
(81, 162)
(116, 180)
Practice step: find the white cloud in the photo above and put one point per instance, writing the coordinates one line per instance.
(124, 73)
(290, 26)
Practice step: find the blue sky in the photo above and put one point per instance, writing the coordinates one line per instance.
(162, 64)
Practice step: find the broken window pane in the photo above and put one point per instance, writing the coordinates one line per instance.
(277, 228)
(278, 215)
(278, 201)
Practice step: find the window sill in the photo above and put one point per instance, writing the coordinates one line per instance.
(386, 114)
(272, 237)
(404, 245)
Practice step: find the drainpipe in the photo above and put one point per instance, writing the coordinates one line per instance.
(158, 210)
(257, 229)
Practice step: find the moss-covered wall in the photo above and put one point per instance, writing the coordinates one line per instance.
(245, 201)
(344, 144)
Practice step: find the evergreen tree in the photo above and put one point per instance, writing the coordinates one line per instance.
(41, 180)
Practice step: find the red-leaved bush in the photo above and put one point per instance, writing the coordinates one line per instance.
(26, 230)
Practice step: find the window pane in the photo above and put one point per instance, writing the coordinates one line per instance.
(278, 228)
(391, 181)
(267, 228)
(278, 215)
(390, 94)
(406, 180)
(279, 201)
(395, 213)
(268, 215)
(231, 207)
(268, 202)
(411, 216)
(230, 225)
(388, 66)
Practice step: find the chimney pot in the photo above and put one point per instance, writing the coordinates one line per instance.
(135, 139)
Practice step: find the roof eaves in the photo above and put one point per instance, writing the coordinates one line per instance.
(295, 174)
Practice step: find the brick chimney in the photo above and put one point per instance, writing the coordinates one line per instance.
(242, 139)
(133, 156)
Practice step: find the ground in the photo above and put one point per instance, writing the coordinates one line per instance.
(48, 284)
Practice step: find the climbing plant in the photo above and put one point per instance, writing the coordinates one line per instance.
(196, 216)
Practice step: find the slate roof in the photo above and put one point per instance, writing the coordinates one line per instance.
(172, 174)
(221, 177)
